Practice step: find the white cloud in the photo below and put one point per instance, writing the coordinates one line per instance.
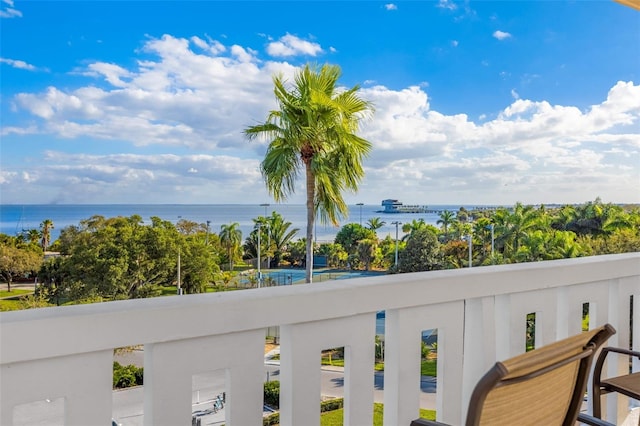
(242, 54)
(7, 10)
(198, 102)
(447, 4)
(290, 45)
(454, 43)
(501, 35)
(391, 6)
(18, 64)
(514, 94)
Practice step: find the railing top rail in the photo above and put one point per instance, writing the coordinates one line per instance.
(48, 332)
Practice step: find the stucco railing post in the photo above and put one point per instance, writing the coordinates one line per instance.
(403, 333)
(401, 370)
(479, 342)
(358, 372)
(299, 378)
(300, 352)
(169, 368)
(83, 380)
(167, 385)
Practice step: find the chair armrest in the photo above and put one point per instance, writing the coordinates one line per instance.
(593, 421)
(622, 351)
(425, 422)
(597, 370)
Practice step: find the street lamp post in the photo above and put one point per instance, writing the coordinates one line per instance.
(492, 241)
(179, 277)
(259, 273)
(360, 204)
(396, 223)
(470, 240)
(265, 205)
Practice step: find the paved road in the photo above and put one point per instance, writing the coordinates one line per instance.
(127, 404)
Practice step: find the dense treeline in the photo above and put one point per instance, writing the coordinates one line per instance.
(121, 257)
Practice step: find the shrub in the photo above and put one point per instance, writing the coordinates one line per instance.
(272, 394)
(331, 404)
(271, 419)
(127, 376)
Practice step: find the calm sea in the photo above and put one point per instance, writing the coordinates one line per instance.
(15, 218)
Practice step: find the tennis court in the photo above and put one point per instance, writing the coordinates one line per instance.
(288, 276)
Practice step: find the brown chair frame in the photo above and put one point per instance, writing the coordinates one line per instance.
(534, 364)
(628, 384)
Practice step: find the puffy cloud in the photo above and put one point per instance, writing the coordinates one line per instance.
(501, 35)
(290, 45)
(447, 4)
(391, 6)
(18, 64)
(7, 10)
(194, 97)
(81, 178)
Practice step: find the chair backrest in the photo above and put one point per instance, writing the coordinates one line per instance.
(545, 386)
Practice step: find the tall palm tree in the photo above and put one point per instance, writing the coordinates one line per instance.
(366, 251)
(412, 227)
(512, 227)
(314, 130)
(447, 217)
(33, 236)
(375, 223)
(230, 239)
(281, 235)
(45, 228)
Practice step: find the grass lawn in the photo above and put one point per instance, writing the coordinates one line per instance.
(10, 305)
(428, 367)
(14, 292)
(335, 418)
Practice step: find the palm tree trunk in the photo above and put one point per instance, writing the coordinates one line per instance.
(311, 190)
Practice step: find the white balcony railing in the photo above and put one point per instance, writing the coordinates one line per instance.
(480, 315)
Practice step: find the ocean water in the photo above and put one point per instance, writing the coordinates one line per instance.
(15, 218)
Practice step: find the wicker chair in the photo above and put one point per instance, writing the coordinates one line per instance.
(545, 386)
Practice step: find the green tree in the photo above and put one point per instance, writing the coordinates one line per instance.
(297, 252)
(280, 235)
(447, 217)
(120, 257)
(53, 277)
(33, 236)
(387, 247)
(512, 226)
(375, 223)
(189, 227)
(45, 230)
(366, 251)
(422, 252)
(231, 238)
(350, 234)
(199, 266)
(17, 263)
(314, 130)
(336, 255)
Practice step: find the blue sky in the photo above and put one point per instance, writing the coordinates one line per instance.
(489, 102)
